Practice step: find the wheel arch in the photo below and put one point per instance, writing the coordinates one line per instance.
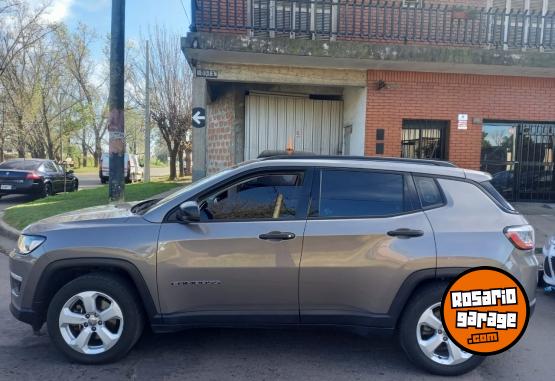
(416, 281)
(59, 273)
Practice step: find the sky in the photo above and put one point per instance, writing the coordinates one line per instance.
(140, 14)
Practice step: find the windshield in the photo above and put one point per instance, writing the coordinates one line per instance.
(24, 165)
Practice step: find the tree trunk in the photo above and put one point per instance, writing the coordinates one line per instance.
(20, 138)
(97, 149)
(173, 159)
(84, 148)
(180, 158)
(188, 162)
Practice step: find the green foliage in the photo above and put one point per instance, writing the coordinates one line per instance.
(22, 215)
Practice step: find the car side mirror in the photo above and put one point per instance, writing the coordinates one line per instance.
(189, 212)
(70, 172)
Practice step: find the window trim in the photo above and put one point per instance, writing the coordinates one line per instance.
(305, 193)
(316, 191)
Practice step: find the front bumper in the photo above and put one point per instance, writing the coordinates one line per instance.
(27, 316)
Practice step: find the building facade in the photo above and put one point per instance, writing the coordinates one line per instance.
(469, 81)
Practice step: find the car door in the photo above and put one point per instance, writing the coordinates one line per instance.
(365, 234)
(52, 173)
(241, 261)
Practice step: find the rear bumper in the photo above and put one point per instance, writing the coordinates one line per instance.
(25, 188)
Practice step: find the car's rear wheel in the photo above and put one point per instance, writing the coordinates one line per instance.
(424, 340)
(47, 190)
(95, 319)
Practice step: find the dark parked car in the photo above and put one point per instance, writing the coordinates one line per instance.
(37, 177)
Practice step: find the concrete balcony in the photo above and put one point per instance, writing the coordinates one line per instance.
(363, 35)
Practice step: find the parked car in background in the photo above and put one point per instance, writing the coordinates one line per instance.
(132, 168)
(38, 177)
(549, 261)
(364, 243)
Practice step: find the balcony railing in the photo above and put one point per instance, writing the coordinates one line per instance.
(371, 20)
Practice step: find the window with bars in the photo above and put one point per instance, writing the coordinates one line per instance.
(424, 139)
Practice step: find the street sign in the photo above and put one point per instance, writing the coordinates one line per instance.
(199, 117)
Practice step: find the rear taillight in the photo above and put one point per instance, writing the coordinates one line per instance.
(32, 176)
(522, 236)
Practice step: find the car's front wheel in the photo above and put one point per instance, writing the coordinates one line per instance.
(95, 319)
(424, 340)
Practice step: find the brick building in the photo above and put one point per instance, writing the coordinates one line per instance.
(470, 81)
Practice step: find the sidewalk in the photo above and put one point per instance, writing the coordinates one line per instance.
(541, 216)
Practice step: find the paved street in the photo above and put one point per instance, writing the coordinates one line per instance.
(218, 354)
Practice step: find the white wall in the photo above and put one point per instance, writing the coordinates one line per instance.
(354, 113)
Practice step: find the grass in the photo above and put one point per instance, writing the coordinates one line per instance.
(22, 215)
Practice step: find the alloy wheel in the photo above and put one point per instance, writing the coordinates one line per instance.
(91, 322)
(433, 340)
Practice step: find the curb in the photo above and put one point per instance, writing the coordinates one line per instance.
(7, 230)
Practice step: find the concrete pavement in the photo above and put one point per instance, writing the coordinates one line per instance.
(541, 216)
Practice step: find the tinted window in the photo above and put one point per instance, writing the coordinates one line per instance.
(429, 192)
(272, 196)
(49, 167)
(24, 165)
(360, 194)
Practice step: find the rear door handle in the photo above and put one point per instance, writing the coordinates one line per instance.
(277, 236)
(406, 233)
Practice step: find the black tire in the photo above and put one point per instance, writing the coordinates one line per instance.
(117, 288)
(47, 190)
(424, 298)
(75, 186)
(103, 180)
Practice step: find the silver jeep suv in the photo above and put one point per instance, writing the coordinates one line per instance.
(364, 243)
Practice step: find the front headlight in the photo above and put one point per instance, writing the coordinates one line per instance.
(28, 243)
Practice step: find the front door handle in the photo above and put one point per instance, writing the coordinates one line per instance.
(405, 233)
(277, 236)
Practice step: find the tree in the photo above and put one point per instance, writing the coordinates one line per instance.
(170, 99)
(21, 26)
(77, 51)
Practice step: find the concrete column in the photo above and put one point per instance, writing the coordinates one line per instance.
(199, 94)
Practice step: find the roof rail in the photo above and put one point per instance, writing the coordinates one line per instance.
(438, 163)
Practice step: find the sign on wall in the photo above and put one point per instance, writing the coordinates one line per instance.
(462, 122)
(206, 73)
(199, 117)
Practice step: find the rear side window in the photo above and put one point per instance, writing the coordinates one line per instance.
(490, 189)
(359, 194)
(428, 190)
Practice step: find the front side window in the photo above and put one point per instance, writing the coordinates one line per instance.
(359, 194)
(268, 196)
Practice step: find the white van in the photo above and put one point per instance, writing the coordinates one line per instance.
(131, 168)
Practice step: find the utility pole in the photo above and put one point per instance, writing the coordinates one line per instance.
(116, 122)
(147, 116)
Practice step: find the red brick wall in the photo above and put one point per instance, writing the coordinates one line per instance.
(220, 115)
(412, 95)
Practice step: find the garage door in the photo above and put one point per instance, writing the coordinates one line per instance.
(271, 121)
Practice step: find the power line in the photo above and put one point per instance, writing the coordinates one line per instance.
(185, 10)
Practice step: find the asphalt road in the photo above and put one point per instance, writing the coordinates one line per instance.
(219, 354)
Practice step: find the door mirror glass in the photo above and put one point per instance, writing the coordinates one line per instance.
(70, 172)
(188, 212)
